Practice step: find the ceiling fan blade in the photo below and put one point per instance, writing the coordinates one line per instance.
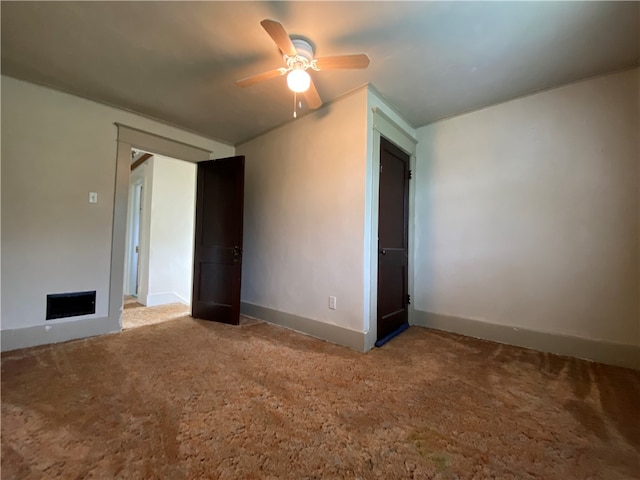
(279, 35)
(359, 60)
(312, 97)
(261, 77)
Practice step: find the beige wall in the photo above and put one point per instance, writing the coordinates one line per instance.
(170, 238)
(304, 215)
(527, 213)
(56, 148)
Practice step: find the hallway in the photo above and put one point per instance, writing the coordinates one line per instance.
(135, 314)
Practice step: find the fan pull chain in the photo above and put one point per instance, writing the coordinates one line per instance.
(295, 104)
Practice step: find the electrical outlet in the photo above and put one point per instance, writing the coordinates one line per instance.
(332, 303)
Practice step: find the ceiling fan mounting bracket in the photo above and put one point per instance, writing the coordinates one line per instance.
(303, 59)
(303, 48)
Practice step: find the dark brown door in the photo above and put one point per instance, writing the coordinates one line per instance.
(217, 256)
(393, 233)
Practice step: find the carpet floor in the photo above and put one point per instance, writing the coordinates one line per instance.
(136, 315)
(187, 399)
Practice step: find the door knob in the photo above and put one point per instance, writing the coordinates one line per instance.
(383, 251)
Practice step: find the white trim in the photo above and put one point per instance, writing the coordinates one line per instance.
(56, 332)
(393, 132)
(151, 143)
(324, 331)
(119, 234)
(145, 229)
(595, 350)
(164, 298)
(136, 180)
(161, 145)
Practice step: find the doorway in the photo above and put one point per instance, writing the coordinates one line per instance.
(166, 217)
(134, 223)
(128, 139)
(159, 257)
(393, 241)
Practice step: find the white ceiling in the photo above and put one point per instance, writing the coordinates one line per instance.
(178, 61)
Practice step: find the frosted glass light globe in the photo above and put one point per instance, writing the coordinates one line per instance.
(298, 81)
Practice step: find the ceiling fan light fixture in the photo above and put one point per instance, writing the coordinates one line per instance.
(298, 80)
(298, 54)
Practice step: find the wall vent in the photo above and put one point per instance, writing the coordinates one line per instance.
(73, 304)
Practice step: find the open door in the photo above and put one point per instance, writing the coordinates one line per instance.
(217, 256)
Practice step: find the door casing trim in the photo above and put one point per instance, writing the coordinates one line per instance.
(383, 125)
(128, 138)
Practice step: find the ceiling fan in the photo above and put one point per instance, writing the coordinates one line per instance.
(298, 54)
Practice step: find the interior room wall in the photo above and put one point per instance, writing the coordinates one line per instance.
(304, 216)
(527, 214)
(56, 148)
(171, 228)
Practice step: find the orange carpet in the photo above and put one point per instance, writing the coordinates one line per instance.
(189, 399)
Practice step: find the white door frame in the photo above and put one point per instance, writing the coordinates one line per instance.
(383, 125)
(129, 138)
(134, 221)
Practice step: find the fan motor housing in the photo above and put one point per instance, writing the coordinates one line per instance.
(303, 58)
(304, 48)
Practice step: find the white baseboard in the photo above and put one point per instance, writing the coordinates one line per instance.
(56, 332)
(165, 298)
(596, 350)
(331, 333)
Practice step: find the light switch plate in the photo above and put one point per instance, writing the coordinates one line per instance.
(93, 197)
(332, 303)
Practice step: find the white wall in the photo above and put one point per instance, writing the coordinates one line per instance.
(527, 213)
(133, 232)
(171, 228)
(146, 170)
(304, 215)
(55, 149)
